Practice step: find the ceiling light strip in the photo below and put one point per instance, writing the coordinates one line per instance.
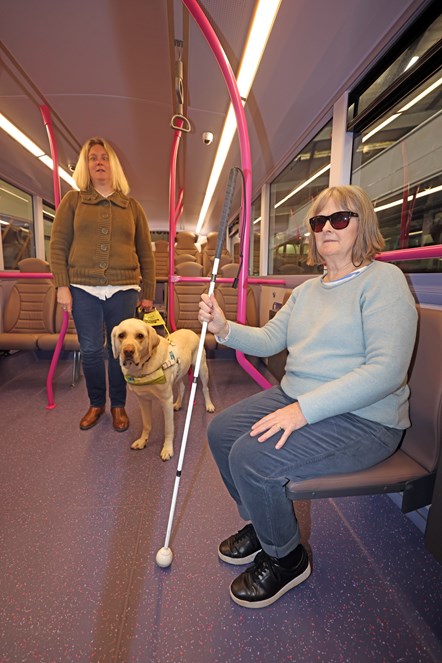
(31, 147)
(261, 28)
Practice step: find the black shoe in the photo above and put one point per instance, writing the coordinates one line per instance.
(266, 581)
(240, 548)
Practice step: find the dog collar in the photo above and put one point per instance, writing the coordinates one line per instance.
(156, 377)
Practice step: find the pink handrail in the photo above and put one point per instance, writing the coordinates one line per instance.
(246, 162)
(173, 219)
(223, 279)
(46, 113)
(416, 253)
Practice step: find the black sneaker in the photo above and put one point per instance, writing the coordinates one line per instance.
(240, 548)
(266, 581)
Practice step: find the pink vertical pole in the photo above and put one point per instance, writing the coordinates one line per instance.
(46, 113)
(246, 163)
(172, 222)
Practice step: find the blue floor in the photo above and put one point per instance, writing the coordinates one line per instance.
(82, 517)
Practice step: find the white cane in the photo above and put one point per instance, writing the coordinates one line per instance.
(164, 555)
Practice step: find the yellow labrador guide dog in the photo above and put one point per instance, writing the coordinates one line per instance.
(152, 365)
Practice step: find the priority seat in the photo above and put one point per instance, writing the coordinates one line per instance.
(411, 470)
(29, 309)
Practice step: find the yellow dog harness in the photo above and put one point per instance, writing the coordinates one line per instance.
(156, 377)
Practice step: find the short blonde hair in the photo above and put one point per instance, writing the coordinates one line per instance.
(81, 172)
(351, 198)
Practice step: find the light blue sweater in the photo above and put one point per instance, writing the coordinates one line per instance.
(349, 346)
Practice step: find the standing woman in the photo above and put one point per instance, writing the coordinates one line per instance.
(103, 266)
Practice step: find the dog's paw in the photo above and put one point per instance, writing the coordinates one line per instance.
(139, 444)
(166, 452)
(177, 405)
(210, 407)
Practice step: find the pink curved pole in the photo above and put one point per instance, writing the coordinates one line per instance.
(172, 221)
(46, 113)
(246, 163)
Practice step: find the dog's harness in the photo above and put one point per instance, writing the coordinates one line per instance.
(155, 377)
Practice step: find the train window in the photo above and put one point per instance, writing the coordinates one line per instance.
(290, 196)
(48, 220)
(396, 159)
(255, 238)
(17, 225)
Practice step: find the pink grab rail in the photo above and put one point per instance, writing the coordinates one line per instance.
(246, 162)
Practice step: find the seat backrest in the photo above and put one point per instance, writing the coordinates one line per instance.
(31, 303)
(185, 257)
(423, 440)
(185, 243)
(208, 253)
(227, 297)
(187, 297)
(161, 259)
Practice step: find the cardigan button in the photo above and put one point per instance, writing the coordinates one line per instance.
(104, 247)
(103, 265)
(104, 231)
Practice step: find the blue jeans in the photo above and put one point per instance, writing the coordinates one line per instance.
(91, 316)
(255, 473)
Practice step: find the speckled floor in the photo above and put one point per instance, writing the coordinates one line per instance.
(82, 517)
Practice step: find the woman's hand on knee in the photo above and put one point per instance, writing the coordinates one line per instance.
(285, 421)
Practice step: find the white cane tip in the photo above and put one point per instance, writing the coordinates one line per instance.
(164, 557)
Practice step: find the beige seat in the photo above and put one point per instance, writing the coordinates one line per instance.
(227, 297)
(161, 260)
(208, 254)
(186, 301)
(29, 310)
(412, 469)
(185, 243)
(185, 257)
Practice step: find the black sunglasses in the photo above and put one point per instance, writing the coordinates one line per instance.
(338, 221)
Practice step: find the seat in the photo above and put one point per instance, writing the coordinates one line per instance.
(411, 470)
(227, 297)
(186, 301)
(185, 257)
(208, 254)
(161, 260)
(185, 243)
(29, 309)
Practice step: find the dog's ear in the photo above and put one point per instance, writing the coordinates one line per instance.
(153, 338)
(115, 341)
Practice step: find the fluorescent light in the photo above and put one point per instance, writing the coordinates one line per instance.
(20, 137)
(413, 61)
(411, 103)
(27, 143)
(304, 184)
(264, 18)
(421, 194)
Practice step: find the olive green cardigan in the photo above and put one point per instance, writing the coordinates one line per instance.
(102, 241)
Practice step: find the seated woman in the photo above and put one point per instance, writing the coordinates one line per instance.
(342, 404)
